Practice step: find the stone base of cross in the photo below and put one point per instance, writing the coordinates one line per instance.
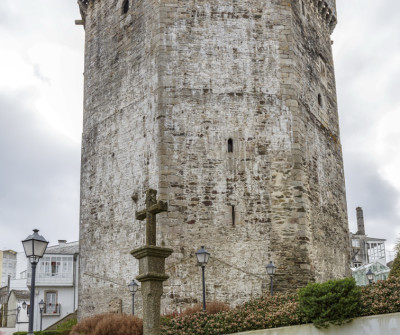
(151, 265)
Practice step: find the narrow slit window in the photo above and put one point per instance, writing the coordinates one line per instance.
(125, 6)
(230, 145)
(233, 215)
(302, 8)
(320, 100)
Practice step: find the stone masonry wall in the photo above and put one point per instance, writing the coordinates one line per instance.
(119, 147)
(167, 84)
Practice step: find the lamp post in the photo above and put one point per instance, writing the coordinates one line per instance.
(370, 276)
(271, 268)
(41, 307)
(202, 258)
(133, 287)
(34, 246)
(18, 311)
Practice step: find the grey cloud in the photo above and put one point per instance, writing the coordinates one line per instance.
(39, 178)
(367, 189)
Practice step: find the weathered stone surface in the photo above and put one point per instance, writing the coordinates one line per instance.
(167, 84)
(115, 306)
(151, 275)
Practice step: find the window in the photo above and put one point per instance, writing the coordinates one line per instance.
(320, 100)
(125, 6)
(230, 145)
(55, 267)
(376, 250)
(233, 215)
(51, 306)
(355, 243)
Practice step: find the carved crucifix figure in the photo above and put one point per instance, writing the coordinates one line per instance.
(149, 213)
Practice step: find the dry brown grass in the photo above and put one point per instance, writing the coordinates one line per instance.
(109, 324)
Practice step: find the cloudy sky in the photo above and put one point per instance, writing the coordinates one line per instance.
(41, 65)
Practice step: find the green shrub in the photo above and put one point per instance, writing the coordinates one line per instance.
(67, 325)
(395, 271)
(335, 301)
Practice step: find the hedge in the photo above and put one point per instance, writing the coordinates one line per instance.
(284, 310)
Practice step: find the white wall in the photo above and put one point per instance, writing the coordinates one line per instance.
(65, 298)
(387, 324)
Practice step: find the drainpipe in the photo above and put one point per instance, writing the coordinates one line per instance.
(74, 279)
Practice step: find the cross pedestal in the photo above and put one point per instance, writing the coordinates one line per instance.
(151, 265)
(151, 275)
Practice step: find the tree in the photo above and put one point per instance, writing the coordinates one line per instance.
(395, 271)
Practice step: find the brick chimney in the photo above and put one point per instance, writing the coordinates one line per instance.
(360, 221)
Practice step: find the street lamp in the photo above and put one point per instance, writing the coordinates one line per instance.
(202, 258)
(271, 268)
(370, 276)
(41, 307)
(133, 287)
(34, 246)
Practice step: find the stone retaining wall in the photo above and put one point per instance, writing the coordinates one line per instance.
(387, 324)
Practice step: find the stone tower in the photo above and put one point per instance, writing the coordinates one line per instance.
(227, 108)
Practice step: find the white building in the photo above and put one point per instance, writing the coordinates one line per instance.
(17, 314)
(56, 283)
(8, 263)
(365, 249)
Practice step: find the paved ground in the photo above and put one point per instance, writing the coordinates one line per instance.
(7, 331)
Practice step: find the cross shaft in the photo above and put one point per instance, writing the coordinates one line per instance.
(149, 213)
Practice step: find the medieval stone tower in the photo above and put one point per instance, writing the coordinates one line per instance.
(228, 109)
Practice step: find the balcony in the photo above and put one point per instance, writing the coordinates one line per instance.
(53, 270)
(48, 279)
(52, 310)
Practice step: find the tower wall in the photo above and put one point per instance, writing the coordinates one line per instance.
(167, 85)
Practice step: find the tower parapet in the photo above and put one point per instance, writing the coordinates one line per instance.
(327, 9)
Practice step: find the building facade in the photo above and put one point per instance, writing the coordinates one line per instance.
(365, 249)
(56, 283)
(18, 310)
(8, 265)
(228, 109)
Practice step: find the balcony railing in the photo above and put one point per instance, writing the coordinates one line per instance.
(52, 279)
(52, 309)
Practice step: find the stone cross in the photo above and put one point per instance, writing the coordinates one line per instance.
(151, 265)
(149, 213)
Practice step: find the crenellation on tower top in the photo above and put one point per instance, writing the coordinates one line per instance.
(327, 11)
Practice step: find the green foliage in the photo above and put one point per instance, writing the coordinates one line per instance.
(335, 301)
(395, 271)
(284, 310)
(335, 297)
(67, 325)
(62, 329)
